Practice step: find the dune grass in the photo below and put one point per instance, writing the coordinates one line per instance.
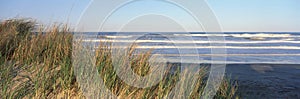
(35, 64)
(39, 65)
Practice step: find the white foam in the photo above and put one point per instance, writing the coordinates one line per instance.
(213, 47)
(200, 61)
(261, 35)
(108, 36)
(208, 55)
(239, 35)
(199, 42)
(288, 39)
(202, 35)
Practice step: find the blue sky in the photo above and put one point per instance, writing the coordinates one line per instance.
(233, 15)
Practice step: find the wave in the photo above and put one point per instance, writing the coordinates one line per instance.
(186, 41)
(288, 39)
(261, 35)
(240, 35)
(213, 47)
(174, 55)
(219, 47)
(113, 37)
(200, 61)
(234, 58)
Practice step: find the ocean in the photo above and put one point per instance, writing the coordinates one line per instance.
(236, 47)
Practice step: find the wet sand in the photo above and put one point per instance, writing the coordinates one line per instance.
(266, 81)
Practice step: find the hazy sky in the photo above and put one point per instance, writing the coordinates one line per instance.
(233, 15)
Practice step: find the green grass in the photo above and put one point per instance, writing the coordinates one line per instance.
(39, 65)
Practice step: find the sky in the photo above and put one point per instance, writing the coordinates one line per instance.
(232, 15)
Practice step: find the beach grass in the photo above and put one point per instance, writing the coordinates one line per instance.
(37, 63)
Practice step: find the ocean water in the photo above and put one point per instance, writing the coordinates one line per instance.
(201, 47)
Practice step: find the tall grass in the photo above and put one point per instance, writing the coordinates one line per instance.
(140, 65)
(39, 65)
(35, 64)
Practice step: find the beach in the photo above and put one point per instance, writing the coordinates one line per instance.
(268, 81)
(262, 81)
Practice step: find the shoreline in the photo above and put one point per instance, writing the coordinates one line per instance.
(264, 80)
